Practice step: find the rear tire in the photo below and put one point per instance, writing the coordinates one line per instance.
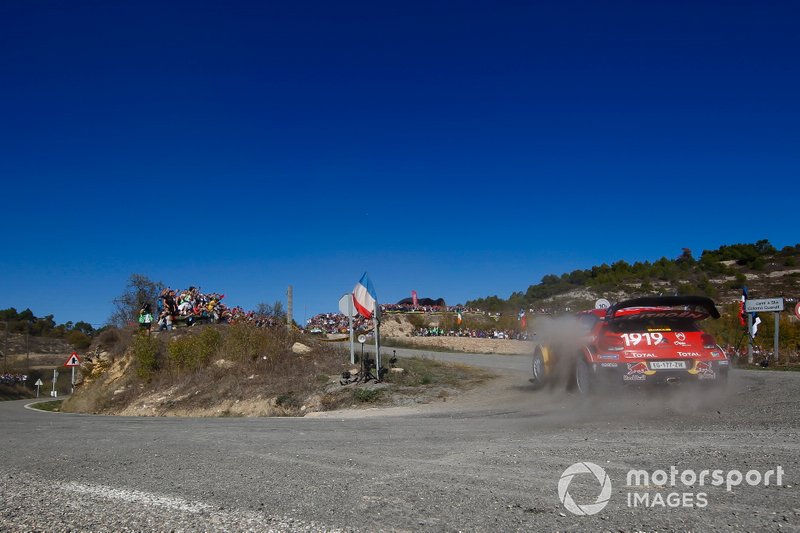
(584, 381)
(539, 370)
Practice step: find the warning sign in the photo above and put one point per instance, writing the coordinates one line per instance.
(73, 360)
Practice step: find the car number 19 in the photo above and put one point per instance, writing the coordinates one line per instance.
(650, 339)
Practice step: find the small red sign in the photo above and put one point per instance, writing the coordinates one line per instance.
(73, 360)
(797, 310)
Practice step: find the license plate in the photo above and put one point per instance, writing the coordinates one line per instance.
(667, 365)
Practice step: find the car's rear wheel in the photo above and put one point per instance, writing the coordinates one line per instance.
(584, 381)
(539, 370)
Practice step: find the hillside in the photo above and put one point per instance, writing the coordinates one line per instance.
(719, 274)
(18, 343)
(243, 370)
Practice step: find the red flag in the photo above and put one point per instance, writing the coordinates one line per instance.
(741, 307)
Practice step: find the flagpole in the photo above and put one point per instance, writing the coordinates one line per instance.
(366, 301)
(350, 318)
(377, 322)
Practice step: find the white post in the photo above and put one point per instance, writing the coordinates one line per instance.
(749, 338)
(72, 388)
(350, 319)
(377, 322)
(777, 325)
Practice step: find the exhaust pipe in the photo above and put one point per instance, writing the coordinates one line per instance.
(672, 380)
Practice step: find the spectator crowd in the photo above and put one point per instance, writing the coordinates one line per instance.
(473, 333)
(12, 379)
(192, 306)
(336, 323)
(409, 308)
(339, 323)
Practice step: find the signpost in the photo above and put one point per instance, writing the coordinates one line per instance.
(763, 305)
(53, 392)
(38, 384)
(602, 303)
(73, 361)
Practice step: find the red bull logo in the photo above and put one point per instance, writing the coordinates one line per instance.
(637, 372)
(637, 368)
(703, 367)
(703, 370)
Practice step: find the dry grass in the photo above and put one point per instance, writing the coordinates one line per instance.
(203, 367)
(422, 381)
(15, 392)
(241, 370)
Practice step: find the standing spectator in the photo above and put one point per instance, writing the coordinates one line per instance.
(145, 318)
(170, 311)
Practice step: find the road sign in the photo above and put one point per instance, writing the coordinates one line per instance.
(797, 310)
(39, 382)
(602, 303)
(763, 305)
(73, 360)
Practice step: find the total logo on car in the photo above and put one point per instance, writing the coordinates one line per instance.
(644, 341)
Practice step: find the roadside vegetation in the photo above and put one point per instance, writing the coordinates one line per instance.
(52, 406)
(244, 370)
(14, 392)
(718, 274)
(421, 381)
(685, 275)
(77, 334)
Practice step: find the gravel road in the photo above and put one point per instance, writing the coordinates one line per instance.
(490, 460)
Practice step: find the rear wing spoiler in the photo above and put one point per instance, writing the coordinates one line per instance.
(706, 304)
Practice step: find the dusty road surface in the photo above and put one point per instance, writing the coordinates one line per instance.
(490, 460)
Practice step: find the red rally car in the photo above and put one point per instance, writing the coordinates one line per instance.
(651, 340)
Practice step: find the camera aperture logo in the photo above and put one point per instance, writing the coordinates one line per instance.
(588, 508)
(648, 489)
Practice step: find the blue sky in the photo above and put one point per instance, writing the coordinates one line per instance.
(460, 149)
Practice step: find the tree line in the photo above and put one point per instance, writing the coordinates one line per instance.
(78, 334)
(685, 275)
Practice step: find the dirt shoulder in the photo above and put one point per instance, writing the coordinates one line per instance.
(500, 385)
(462, 344)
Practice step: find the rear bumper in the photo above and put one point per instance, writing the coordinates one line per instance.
(626, 373)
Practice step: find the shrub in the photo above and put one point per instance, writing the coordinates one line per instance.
(288, 400)
(244, 341)
(79, 340)
(194, 351)
(145, 353)
(108, 338)
(366, 395)
(416, 320)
